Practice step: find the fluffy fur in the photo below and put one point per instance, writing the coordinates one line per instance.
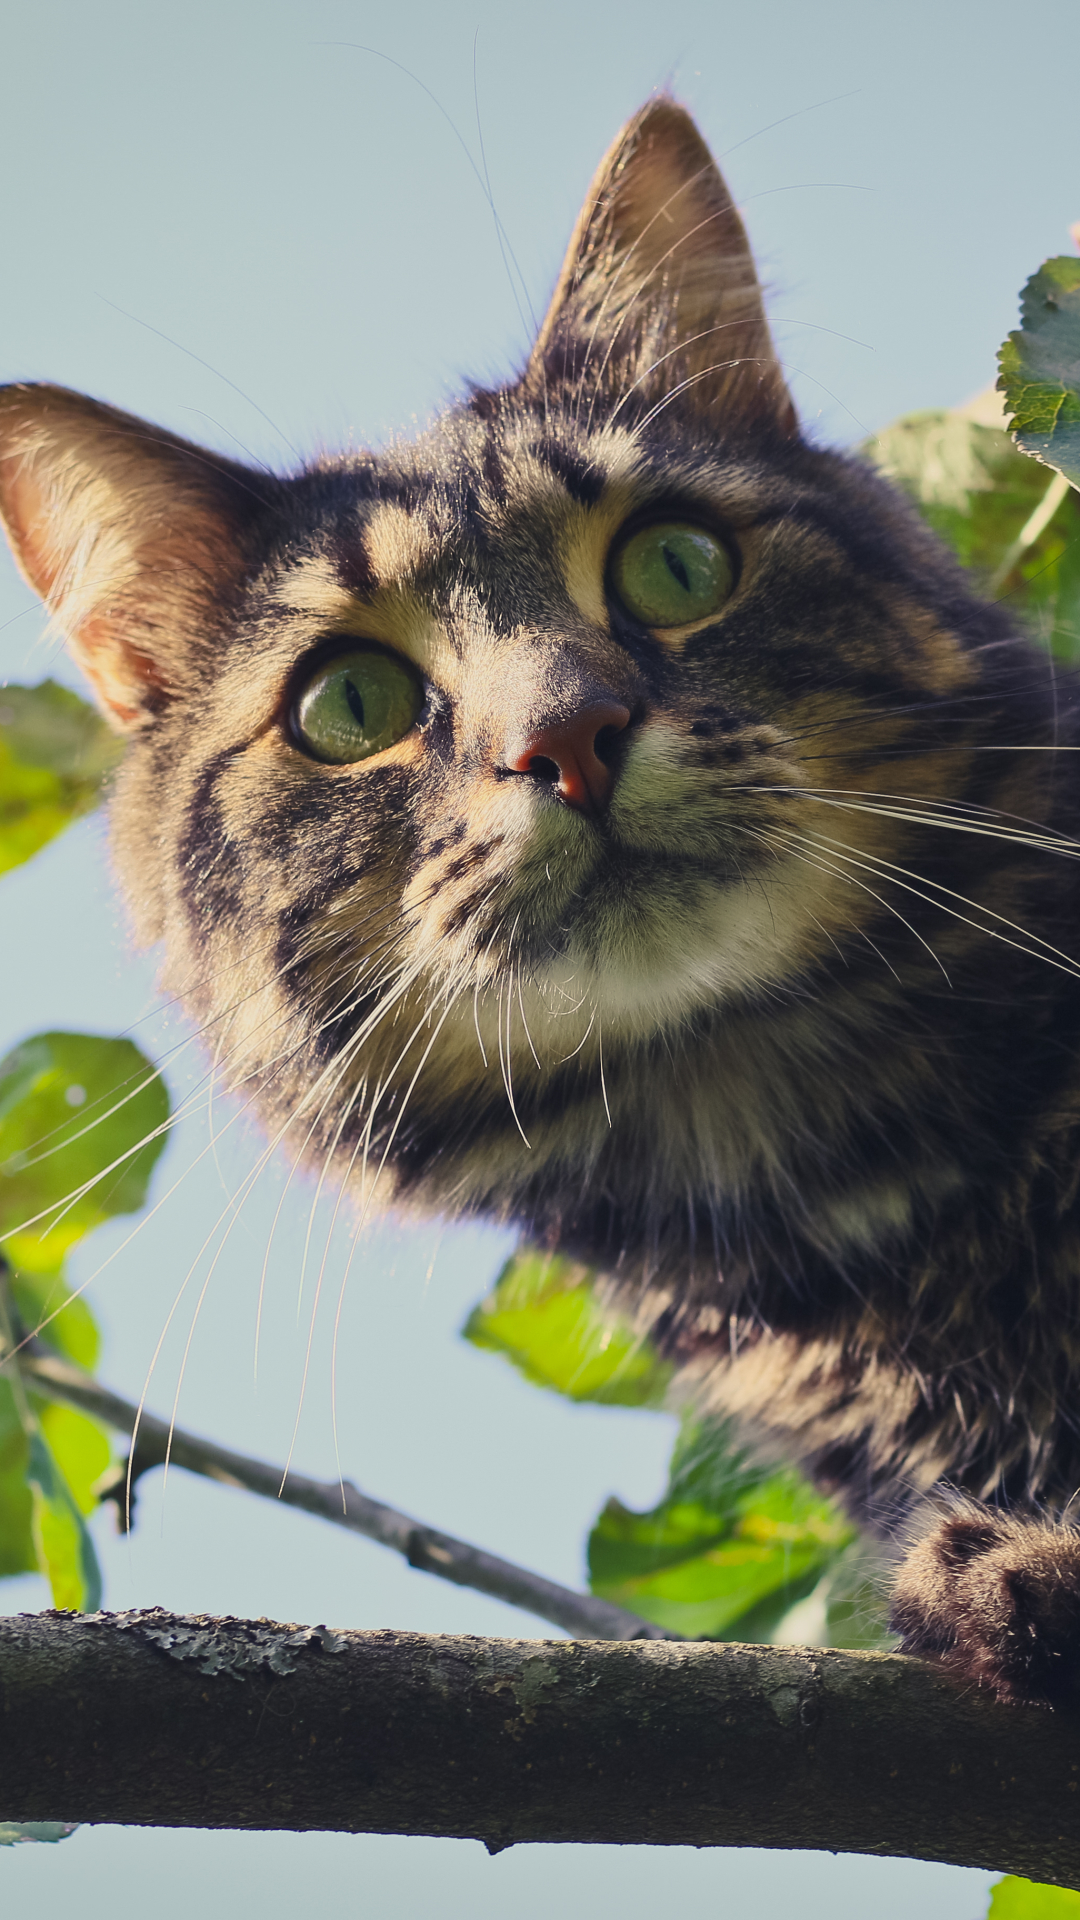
(784, 1039)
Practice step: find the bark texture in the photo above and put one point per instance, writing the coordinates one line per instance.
(159, 1719)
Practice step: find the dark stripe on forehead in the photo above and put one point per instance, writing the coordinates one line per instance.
(494, 475)
(339, 487)
(583, 480)
(407, 490)
(485, 402)
(352, 562)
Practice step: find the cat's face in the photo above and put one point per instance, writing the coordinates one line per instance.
(490, 795)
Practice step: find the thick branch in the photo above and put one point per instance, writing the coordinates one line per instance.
(344, 1505)
(150, 1718)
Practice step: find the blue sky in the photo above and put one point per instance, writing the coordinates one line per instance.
(254, 224)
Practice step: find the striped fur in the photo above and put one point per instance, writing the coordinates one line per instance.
(786, 1043)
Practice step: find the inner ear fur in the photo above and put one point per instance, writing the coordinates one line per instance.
(658, 291)
(129, 534)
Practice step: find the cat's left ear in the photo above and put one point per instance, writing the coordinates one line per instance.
(658, 296)
(131, 536)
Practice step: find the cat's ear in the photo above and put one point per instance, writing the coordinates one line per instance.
(658, 291)
(130, 535)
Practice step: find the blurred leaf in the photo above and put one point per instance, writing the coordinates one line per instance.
(1015, 1899)
(65, 1551)
(15, 1832)
(1040, 367)
(50, 1459)
(55, 751)
(72, 1104)
(17, 1554)
(731, 1549)
(47, 1307)
(542, 1315)
(79, 1447)
(1015, 527)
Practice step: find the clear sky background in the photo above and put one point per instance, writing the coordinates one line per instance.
(233, 219)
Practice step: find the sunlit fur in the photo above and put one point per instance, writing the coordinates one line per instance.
(786, 1042)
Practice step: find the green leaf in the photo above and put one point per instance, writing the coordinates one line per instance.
(17, 1551)
(75, 1111)
(15, 1832)
(65, 1551)
(543, 1316)
(1016, 529)
(1040, 367)
(1015, 1899)
(79, 1447)
(55, 752)
(731, 1549)
(50, 1460)
(72, 1107)
(46, 1306)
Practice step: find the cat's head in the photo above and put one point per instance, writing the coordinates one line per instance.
(482, 789)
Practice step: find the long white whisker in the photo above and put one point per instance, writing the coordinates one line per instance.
(524, 1022)
(777, 837)
(921, 812)
(600, 1046)
(888, 870)
(451, 1001)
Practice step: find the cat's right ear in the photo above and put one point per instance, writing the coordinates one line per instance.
(131, 536)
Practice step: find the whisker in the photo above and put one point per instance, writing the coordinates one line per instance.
(788, 844)
(887, 870)
(921, 813)
(367, 1202)
(600, 1047)
(524, 1021)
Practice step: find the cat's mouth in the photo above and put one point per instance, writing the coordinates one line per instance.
(672, 900)
(645, 940)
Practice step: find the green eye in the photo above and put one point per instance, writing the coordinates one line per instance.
(357, 704)
(669, 574)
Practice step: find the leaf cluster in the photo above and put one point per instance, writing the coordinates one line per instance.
(81, 1125)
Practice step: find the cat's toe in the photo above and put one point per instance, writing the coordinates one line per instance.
(996, 1596)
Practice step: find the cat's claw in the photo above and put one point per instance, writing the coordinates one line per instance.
(996, 1596)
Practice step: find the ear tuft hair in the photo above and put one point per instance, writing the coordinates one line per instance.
(658, 292)
(129, 534)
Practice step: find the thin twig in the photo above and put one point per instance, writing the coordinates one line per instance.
(343, 1505)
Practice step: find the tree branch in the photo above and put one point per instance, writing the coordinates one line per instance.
(151, 1718)
(342, 1504)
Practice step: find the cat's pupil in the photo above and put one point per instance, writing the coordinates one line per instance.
(356, 703)
(677, 567)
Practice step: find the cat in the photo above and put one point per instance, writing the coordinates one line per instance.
(613, 815)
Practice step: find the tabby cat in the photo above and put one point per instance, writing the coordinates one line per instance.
(612, 815)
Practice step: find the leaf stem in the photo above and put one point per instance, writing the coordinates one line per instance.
(1036, 523)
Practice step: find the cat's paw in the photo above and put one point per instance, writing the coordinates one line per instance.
(997, 1597)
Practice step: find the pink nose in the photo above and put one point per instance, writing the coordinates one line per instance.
(567, 754)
